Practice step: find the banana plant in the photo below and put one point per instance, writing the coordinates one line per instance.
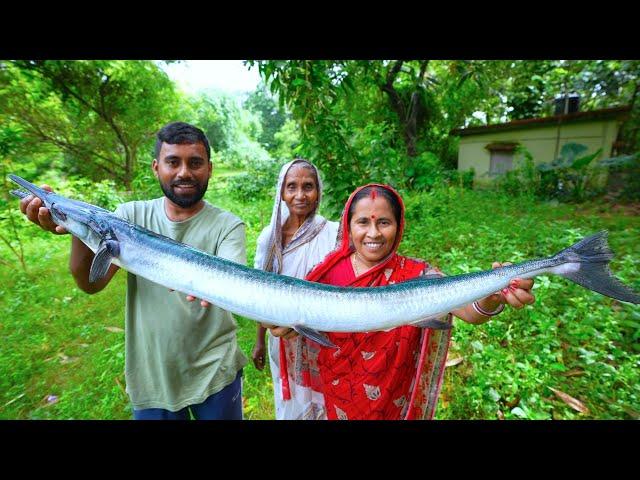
(570, 173)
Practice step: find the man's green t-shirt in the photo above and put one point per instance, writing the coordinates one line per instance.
(178, 353)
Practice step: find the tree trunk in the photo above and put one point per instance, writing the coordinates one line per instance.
(407, 115)
(130, 162)
(411, 125)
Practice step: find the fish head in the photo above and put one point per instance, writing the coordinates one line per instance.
(75, 216)
(42, 194)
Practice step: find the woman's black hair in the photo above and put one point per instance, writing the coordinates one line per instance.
(383, 192)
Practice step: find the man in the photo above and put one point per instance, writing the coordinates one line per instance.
(182, 356)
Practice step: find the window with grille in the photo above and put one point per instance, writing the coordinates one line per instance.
(501, 157)
(501, 162)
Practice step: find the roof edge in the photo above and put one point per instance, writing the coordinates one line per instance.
(605, 113)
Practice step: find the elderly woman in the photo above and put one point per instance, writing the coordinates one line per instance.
(393, 374)
(296, 239)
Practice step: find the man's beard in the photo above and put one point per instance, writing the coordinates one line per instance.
(184, 201)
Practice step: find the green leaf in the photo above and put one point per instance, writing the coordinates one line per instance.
(582, 162)
(571, 150)
(517, 411)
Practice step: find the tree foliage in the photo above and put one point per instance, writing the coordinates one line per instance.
(386, 120)
(272, 115)
(373, 120)
(97, 113)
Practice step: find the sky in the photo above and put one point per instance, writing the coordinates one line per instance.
(230, 76)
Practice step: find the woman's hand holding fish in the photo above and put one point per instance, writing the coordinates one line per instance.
(518, 293)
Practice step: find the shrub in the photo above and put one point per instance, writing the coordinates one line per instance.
(626, 171)
(570, 177)
(524, 180)
(256, 182)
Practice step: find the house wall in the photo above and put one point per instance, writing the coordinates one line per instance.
(540, 141)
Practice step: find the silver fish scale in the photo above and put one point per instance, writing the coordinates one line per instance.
(287, 301)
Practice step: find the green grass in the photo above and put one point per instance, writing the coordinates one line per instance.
(59, 341)
(221, 172)
(572, 340)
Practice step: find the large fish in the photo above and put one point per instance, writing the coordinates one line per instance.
(310, 308)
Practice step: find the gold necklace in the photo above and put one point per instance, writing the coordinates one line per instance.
(355, 265)
(362, 262)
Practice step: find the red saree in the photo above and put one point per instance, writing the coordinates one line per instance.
(389, 375)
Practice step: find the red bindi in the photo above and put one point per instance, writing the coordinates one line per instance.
(373, 217)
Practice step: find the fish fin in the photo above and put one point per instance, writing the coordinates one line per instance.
(593, 255)
(434, 323)
(102, 259)
(314, 335)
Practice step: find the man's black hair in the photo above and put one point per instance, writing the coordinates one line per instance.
(179, 133)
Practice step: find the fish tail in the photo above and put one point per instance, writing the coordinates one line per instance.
(587, 263)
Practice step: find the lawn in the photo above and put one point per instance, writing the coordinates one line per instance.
(62, 354)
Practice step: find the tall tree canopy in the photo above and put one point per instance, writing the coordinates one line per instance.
(97, 113)
(387, 119)
(272, 115)
(374, 119)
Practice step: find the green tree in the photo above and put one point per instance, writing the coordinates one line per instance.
(286, 141)
(528, 87)
(99, 114)
(10, 143)
(218, 116)
(272, 116)
(371, 120)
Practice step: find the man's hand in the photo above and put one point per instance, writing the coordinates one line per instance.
(191, 298)
(34, 210)
(259, 355)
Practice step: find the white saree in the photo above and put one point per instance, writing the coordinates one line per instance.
(311, 243)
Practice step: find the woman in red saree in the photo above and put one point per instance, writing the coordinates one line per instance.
(395, 374)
